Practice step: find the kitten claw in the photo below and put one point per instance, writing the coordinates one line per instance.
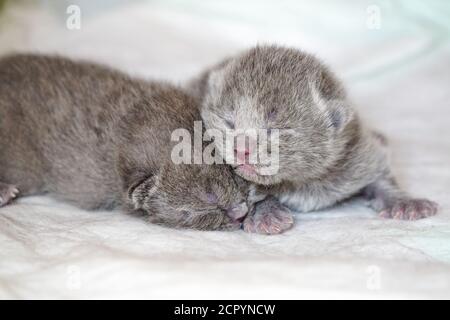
(410, 209)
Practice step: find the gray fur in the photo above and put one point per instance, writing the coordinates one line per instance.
(328, 155)
(97, 138)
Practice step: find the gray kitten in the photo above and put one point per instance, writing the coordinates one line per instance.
(326, 155)
(96, 138)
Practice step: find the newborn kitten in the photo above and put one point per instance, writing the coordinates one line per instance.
(325, 154)
(99, 139)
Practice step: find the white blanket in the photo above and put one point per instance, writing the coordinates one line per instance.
(397, 69)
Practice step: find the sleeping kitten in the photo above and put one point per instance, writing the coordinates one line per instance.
(96, 138)
(326, 155)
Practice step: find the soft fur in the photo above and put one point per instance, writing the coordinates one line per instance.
(99, 139)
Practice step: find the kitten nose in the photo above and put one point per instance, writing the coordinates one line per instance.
(238, 212)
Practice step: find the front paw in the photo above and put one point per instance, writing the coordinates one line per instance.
(270, 217)
(410, 209)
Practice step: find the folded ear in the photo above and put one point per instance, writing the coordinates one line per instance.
(214, 85)
(143, 190)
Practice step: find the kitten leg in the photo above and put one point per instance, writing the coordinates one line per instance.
(390, 202)
(7, 193)
(269, 217)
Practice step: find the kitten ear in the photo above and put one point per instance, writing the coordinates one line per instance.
(216, 77)
(143, 190)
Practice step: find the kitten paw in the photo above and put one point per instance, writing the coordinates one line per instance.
(410, 209)
(7, 193)
(270, 217)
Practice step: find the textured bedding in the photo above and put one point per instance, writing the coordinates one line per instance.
(395, 61)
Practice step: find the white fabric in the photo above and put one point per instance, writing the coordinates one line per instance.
(397, 75)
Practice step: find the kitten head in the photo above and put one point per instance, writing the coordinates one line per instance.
(288, 94)
(203, 197)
